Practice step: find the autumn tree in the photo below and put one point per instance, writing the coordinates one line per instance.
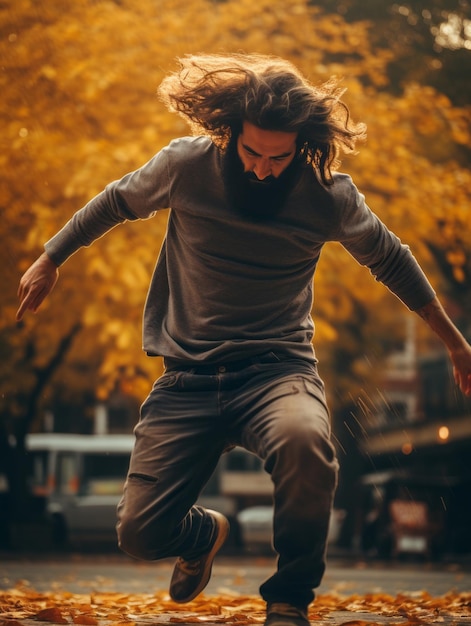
(79, 109)
(430, 41)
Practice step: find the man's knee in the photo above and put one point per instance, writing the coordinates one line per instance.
(131, 540)
(143, 539)
(308, 454)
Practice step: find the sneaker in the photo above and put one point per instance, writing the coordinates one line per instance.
(191, 577)
(284, 614)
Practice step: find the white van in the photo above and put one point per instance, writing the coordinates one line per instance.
(81, 479)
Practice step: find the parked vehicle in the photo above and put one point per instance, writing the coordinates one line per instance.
(400, 513)
(256, 527)
(81, 477)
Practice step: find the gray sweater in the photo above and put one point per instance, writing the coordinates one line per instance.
(225, 287)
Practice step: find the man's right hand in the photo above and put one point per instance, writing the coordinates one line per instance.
(36, 284)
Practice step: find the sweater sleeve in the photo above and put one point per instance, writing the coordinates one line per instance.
(138, 195)
(373, 245)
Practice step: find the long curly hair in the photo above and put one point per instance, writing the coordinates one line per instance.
(217, 93)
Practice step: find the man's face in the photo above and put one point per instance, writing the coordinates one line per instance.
(260, 170)
(265, 153)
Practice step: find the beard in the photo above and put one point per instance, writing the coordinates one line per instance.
(257, 200)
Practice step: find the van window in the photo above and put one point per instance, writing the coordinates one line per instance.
(67, 480)
(104, 474)
(242, 475)
(37, 472)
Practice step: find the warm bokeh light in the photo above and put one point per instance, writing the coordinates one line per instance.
(407, 448)
(443, 433)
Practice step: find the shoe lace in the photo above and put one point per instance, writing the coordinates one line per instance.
(285, 609)
(191, 568)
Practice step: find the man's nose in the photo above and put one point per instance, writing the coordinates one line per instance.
(262, 169)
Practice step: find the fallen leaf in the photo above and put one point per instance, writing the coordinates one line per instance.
(360, 622)
(86, 620)
(120, 609)
(51, 615)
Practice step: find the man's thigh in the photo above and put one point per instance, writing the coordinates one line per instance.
(178, 442)
(286, 405)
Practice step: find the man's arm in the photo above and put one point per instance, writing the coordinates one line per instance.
(36, 284)
(458, 348)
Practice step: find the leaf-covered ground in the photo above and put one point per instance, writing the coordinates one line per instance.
(22, 606)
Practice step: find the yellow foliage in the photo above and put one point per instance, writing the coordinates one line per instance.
(79, 109)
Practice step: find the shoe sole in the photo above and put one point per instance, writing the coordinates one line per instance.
(223, 533)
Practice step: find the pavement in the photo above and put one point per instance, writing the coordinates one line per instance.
(354, 592)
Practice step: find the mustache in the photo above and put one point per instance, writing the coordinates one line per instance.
(254, 180)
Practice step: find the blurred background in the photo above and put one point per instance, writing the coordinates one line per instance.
(79, 109)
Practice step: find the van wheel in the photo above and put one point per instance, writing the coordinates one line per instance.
(59, 531)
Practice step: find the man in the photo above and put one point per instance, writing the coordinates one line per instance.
(253, 199)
